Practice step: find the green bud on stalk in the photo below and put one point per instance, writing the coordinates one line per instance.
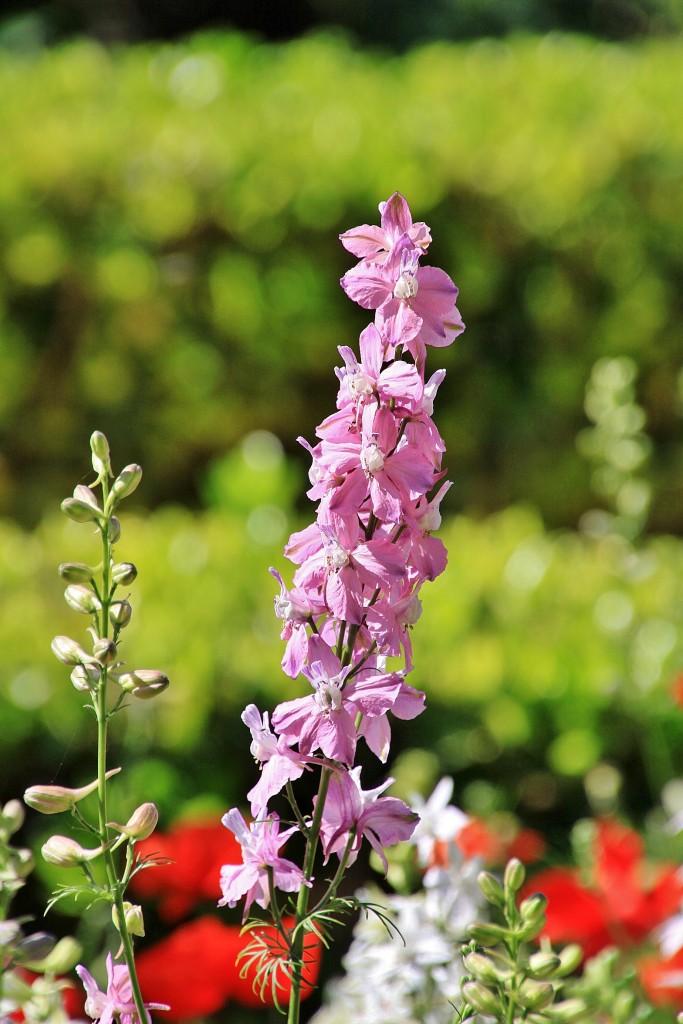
(67, 853)
(81, 599)
(569, 1010)
(68, 651)
(144, 682)
(125, 483)
(114, 530)
(482, 999)
(483, 969)
(491, 888)
(76, 572)
(11, 818)
(535, 995)
(86, 678)
(123, 573)
(514, 876)
(135, 922)
(54, 799)
(120, 613)
(543, 964)
(62, 959)
(487, 934)
(104, 650)
(570, 959)
(100, 454)
(141, 823)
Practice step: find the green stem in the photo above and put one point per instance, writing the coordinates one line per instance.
(297, 949)
(116, 888)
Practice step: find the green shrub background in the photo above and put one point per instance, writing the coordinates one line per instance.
(169, 273)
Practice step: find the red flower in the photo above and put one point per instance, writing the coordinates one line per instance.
(196, 969)
(495, 846)
(193, 970)
(621, 906)
(663, 980)
(196, 851)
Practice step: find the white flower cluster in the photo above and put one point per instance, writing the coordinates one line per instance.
(412, 976)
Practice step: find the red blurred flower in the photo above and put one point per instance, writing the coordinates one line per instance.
(663, 980)
(196, 850)
(676, 689)
(196, 969)
(621, 906)
(495, 846)
(193, 970)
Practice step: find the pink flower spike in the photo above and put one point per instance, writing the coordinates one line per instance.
(260, 851)
(280, 764)
(117, 1002)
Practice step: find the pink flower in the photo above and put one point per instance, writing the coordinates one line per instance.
(280, 764)
(117, 1001)
(383, 820)
(369, 241)
(260, 852)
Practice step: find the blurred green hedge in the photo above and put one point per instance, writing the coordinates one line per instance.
(543, 655)
(169, 263)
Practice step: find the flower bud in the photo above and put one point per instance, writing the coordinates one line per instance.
(543, 964)
(144, 682)
(534, 907)
(104, 650)
(76, 572)
(12, 817)
(513, 879)
(83, 507)
(570, 958)
(120, 613)
(114, 530)
(33, 947)
(135, 922)
(141, 823)
(483, 969)
(100, 454)
(54, 799)
(67, 853)
(126, 482)
(20, 863)
(85, 677)
(487, 934)
(62, 959)
(68, 651)
(123, 573)
(569, 1010)
(81, 599)
(491, 888)
(482, 999)
(535, 995)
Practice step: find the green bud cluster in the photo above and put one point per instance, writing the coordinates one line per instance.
(507, 980)
(37, 952)
(611, 991)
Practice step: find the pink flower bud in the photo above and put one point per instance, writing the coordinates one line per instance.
(141, 823)
(81, 599)
(67, 853)
(68, 651)
(144, 682)
(53, 799)
(126, 482)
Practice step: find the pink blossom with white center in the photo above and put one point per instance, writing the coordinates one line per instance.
(368, 241)
(280, 764)
(117, 1002)
(382, 820)
(326, 719)
(260, 853)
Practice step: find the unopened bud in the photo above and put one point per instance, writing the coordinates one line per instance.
(570, 1010)
(20, 862)
(144, 682)
(126, 482)
(543, 964)
(514, 876)
(491, 888)
(123, 573)
(33, 947)
(120, 613)
(54, 799)
(67, 853)
(534, 907)
(68, 651)
(135, 922)
(100, 453)
(12, 817)
(483, 969)
(570, 959)
(535, 995)
(76, 572)
(62, 959)
(114, 530)
(104, 650)
(85, 677)
(141, 823)
(83, 507)
(482, 999)
(81, 599)
(487, 934)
